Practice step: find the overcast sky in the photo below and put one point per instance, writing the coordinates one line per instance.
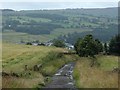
(56, 4)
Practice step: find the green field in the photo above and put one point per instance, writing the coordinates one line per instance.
(15, 37)
(98, 76)
(59, 32)
(27, 19)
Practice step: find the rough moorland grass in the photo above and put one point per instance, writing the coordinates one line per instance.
(53, 61)
(13, 82)
(96, 77)
(15, 57)
(107, 62)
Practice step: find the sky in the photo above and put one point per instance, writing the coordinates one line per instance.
(56, 4)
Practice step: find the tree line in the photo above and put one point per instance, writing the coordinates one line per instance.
(53, 17)
(103, 34)
(88, 46)
(32, 27)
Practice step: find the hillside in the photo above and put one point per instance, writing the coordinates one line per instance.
(16, 57)
(89, 65)
(44, 25)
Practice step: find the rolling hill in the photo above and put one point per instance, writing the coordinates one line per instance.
(44, 25)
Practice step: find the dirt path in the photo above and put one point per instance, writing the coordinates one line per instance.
(63, 78)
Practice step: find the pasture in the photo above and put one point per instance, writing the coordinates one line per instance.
(16, 37)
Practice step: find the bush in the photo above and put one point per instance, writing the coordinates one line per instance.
(52, 56)
(58, 43)
(51, 63)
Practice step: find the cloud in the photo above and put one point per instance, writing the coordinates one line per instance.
(59, 0)
(55, 5)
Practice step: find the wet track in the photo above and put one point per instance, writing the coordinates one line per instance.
(63, 78)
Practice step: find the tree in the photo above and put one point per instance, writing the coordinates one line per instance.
(114, 45)
(28, 43)
(105, 48)
(77, 47)
(99, 44)
(88, 46)
(58, 43)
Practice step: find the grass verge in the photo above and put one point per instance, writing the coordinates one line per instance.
(98, 76)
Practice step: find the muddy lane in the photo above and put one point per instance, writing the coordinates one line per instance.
(63, 78)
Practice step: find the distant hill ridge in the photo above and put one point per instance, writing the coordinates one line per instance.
(46, 25)
(111, 11)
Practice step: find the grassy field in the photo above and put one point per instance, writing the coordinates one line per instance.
(15, 57)
(16, 37)
(28, 19)
(59, 32)
(12, 36)
(98, 76)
